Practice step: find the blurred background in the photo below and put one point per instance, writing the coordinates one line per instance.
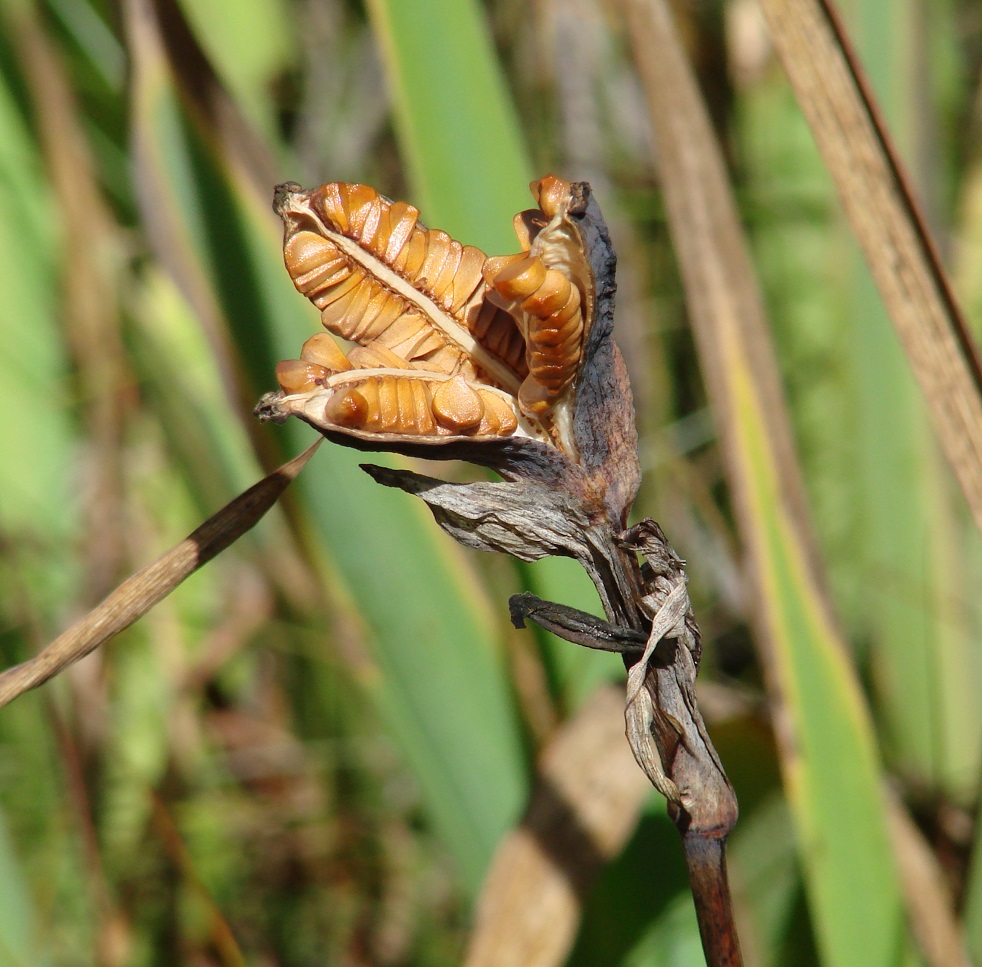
(309, 753)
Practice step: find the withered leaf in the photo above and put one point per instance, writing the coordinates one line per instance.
(528, 520)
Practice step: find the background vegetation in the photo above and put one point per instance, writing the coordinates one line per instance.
(309, 753)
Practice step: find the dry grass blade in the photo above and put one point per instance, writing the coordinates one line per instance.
(140, 592)
(886, 220)
(720, 281)
(929, 900)
(584, 806)
(803, 655)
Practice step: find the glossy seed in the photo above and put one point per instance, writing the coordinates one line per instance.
(347, 407)
(554, 293)
(422, 404)
(323, 349)
(314, 263)
(456, 405)
(376, 356)
(299, 376)
(551, 193)
(499, 418)
(403, 219)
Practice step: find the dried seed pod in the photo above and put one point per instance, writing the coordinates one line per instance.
(548, 288)
(379, 277)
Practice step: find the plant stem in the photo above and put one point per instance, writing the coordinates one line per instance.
(705, 859)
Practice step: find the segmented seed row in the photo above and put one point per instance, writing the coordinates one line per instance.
(420, 405)
(359, 306)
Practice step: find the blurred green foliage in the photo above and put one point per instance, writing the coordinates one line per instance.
(309, 752)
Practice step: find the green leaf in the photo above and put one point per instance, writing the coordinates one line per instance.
(17, 920)
(457, 127)
(832, 778)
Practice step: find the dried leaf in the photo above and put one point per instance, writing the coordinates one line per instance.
(141, 591)
(527, 520)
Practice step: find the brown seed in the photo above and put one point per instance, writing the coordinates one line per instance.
(323, 349)
(551, 193)
(499, 418)
(299, 376)
(422, 406)
(376, 356)
(554, 293)
(403, 218)
(468, 276)
(535, 398)
(361, 204)
(413, 254)
(515, 277)
(314, 263)
(347, 407)
(385, 413)
(457, 406)
(304, 251)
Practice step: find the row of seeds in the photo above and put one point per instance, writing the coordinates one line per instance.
(398, 400)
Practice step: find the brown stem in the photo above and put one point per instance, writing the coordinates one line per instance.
(705, 858)
(707, 807)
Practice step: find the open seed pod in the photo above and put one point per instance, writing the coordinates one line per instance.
(455, 354)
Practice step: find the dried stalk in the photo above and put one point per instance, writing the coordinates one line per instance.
(141, 591)
(888, 224)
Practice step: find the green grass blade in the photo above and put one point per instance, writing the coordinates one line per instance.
(457, 128)
(828, 743)
(831, 768)
(918, 608)
(972, 908)
(17, 921)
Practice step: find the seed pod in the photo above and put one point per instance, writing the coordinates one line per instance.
(379, 277)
